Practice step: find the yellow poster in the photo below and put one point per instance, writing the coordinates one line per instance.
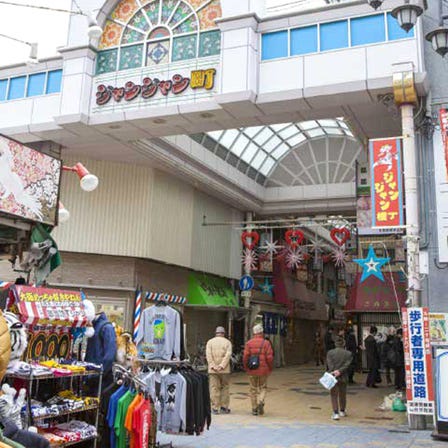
(438, 327)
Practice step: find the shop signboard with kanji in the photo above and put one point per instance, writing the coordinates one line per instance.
(387, 188)
(418, 361)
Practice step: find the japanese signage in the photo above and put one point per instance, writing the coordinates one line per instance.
(417, 349)
(29, 182)
(443, 116)
(387, 190)
(150, 87)
(49, 307)
(438, 324)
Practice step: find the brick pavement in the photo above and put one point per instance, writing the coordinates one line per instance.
(298, 416)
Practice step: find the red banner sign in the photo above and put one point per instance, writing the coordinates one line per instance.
(49, 307)
(418, 361)
(387, 190)
(443, 116)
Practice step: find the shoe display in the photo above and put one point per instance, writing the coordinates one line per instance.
(261, 409)
(335, 416)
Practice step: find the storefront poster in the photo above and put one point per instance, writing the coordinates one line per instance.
(29, 182)
(443, 116)
(387, 190)
(48, 307)
(210, 291)
(418, 361)
(438, 324)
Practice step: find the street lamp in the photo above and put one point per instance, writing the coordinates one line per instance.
(407, 15)
(439, 37)
(375, 4)
(88, 181)
(63, 213)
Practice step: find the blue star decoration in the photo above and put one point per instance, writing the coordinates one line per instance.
(267, 287)
(372, 265)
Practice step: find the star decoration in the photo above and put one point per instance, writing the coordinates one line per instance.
(317, 246)
(372, 265)
(293, 258)
(266, 287)
(271, 248)
(249, 259)
(339, 257)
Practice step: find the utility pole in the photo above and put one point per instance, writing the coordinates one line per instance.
(406, 98)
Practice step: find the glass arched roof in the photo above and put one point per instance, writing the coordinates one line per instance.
(256, 150)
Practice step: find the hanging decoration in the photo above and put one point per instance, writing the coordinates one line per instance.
(317, 246)
(293, 258)
(372, 265)
(266, 287)
(249, 260)
(250, 239)
(271, 247)
(340, 257)
(340, 235)
(294, 238)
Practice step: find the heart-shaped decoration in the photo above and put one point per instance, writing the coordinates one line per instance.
(294, 238)
(340, 235)
(250, 239)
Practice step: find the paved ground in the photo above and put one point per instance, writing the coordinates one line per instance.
(298, 416)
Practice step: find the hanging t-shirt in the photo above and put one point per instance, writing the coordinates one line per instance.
(128, 421)
(174, 403)
(141, 424)
(112, 413)
(122, 410)
(159, 333)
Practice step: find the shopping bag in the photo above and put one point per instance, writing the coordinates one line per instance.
(398, 405)
(328, 381)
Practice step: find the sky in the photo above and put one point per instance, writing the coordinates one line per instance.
(49, 28)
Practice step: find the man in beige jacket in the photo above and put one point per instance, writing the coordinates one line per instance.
(219, 351)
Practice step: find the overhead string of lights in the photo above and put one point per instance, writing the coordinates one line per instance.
(407, 15)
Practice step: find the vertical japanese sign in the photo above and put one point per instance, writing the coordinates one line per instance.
(387, 189)
(443, 117)
(417, 349)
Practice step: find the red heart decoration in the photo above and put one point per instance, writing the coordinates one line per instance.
(340, 235)
(253, 236)
(294, 238)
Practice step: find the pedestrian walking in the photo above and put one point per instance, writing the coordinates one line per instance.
(258, 362)
(318, 348)
(218, 352)
(400, 378)
(388, 356)
(338, 364)
(352, 346)
(373, 358)
(328, 339)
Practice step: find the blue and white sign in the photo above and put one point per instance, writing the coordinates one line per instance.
(246, 283)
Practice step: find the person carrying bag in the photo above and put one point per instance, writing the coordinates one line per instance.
(258, 362)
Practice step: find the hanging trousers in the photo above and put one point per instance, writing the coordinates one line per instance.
(219, 390)
(258, 389)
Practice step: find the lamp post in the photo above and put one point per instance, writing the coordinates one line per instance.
(439, 37)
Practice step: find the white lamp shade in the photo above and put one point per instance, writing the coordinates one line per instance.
(95, 31)
(89, 182)
(375, 4)
(63, 214)
(439, 40)
(407, 15)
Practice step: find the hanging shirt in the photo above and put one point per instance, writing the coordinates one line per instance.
(128, 421)
(141, 424)
(122, 409)
(112, 413)
(159, 333)
(174, 389)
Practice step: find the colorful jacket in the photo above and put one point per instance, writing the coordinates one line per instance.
(252, 348)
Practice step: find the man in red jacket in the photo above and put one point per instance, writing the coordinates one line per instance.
(258, 377)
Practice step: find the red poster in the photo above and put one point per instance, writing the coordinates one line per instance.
(387, 189)
(443, 116)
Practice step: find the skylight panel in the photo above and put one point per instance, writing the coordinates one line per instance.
(253, 130)
(249, 153)
(239, 145)
(263, 136)
(272, 143)
(267, 166)
(305, 125)
(229, 137)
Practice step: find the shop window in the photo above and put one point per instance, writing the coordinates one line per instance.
(395, 31)
(3, 89)
(367, 30)
(54, 81)
(274, 45)
(304, 40)
(36, 84)
(131, 57)
(334, 35)
(17, 88)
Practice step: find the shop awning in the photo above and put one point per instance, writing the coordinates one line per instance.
(302, 302)
(205, 290)
(48, 307)
(375, 296)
